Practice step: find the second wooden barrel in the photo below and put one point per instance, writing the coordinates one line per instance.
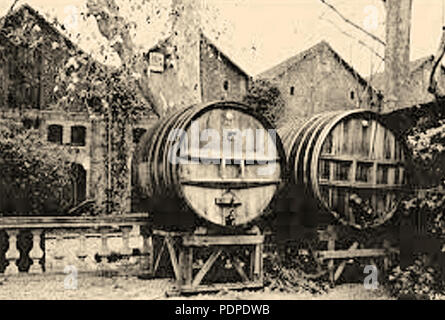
(350, 162)
(220, 162)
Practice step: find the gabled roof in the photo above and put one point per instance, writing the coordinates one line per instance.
(378, 79)
(311, 52)
(54, 30)
(164, 41)
(222, 52)
(74, 50)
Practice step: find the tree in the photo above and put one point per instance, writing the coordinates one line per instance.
(397, 48)
(116, 29)
(34, 175)
(84, 85)
(433, 88)
(265, 98)
(186, 17)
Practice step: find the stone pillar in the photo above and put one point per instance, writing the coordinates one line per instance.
(66, 135)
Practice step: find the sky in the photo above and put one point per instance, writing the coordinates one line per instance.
(259, 34)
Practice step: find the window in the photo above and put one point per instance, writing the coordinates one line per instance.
(326, 66)
(55, 133)
(292, 90)
(226, 85)
(352, 95)
(78, 135)
(29, 123)
(137, 134)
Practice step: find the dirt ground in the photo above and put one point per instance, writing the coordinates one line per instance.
(121, 287)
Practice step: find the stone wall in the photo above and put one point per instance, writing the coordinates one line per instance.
(320, 82)
(415, 89)
(220, 78)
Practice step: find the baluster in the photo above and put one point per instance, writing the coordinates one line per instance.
(104, 250)
(13, 253)
(36, 252)
(136, 241)
(147, 252)
(126, 250)
(81, 253)
(60, 254)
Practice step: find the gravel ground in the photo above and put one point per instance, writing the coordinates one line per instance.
(120, 287)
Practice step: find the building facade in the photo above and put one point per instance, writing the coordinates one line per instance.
(28, 83)
(211, 76)
(187, 67)
(319, 80)
(221, 78)
(415, 87)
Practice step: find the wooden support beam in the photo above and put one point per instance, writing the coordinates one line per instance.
(197, 240)
(158, 258)
(342, 265)
(221, 286)
(188, 266)
(173, 258)
(331, 247)
(181, 247)
(347, 254)
(239, 268)
(206, 267)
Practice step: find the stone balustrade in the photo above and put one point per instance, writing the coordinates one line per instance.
(89, 244)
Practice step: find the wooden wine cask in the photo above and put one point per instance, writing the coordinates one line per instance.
(350, 162)
(219, 162)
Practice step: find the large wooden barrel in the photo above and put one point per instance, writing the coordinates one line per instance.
(350, 162)
(219, 162)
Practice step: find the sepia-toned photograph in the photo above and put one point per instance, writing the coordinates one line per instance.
(248, 150)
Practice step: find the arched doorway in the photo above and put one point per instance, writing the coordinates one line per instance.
(79, 183)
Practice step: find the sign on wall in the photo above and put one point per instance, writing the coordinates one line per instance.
(156, 60)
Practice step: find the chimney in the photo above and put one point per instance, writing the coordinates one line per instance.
(397, 52)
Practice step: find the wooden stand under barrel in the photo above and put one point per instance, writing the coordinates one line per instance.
(331, 254)
(181, 247)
